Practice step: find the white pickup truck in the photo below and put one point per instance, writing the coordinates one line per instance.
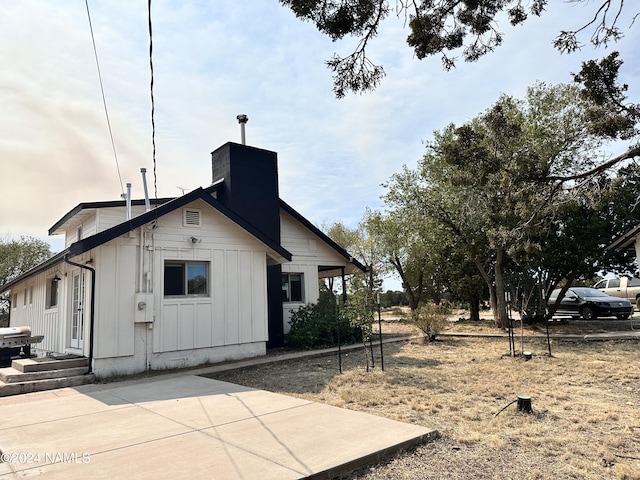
(623, 287)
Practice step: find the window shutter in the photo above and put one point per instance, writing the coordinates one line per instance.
(191, 218)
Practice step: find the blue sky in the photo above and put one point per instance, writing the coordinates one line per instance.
(214, 60)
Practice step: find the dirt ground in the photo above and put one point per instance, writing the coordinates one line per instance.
(585, 400)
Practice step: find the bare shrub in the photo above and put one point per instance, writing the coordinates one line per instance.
(431, 319)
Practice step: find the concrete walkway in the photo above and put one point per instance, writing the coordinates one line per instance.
(187, 426)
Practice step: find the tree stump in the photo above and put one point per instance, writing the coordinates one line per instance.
(524, 404)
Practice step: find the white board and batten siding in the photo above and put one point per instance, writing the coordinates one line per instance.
(308, 252)
(86, 228)
(31, 310)
(230, 322)
(112, 216)
(116, 273)
(235, 310)
(233, 313)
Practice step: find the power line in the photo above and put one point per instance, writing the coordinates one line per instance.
(104, 101)
(153, 107)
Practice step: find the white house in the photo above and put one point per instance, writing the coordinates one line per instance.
(210, 276)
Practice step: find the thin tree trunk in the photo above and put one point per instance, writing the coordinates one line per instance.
(492, 289)
(366, 351)
(502, 320)
(414, 299)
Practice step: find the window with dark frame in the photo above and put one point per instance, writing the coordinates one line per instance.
(292, 287)
(186, 278)
(52, 293)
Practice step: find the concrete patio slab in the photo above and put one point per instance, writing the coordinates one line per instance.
(188, 426)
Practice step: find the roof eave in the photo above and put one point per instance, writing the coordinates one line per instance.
(98, 239)
(323, 236)
(47, 264)
(55, 229)
(626, 240)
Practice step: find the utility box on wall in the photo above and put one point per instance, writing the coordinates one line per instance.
(144, 308)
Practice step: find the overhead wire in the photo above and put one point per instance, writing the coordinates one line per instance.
(153, 106)
(104, 101)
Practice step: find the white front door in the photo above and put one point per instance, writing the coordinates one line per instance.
(77, 309)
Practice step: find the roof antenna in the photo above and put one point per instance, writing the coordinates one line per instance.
(242, 120)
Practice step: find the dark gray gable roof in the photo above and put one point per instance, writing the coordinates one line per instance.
(91, 205)
(103, 237)
(93, 241)
(56, 259)
(325, 238)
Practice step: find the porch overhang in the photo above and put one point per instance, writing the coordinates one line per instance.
(625, 241)
(336, 270)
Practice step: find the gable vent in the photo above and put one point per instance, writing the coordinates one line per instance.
(191, 218)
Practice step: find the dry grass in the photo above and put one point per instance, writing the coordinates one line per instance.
(586, 399)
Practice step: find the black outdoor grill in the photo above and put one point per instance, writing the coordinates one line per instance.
(16, 342)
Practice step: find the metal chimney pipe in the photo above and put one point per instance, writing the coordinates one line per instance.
(128, 201)
(147, 205)
(242, 120)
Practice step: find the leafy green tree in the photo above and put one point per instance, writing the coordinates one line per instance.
(411, 243)
(437, 27)
(17, 257)
(609, 114)
(364, 245)
(359, 312)
(492, 183)
(464, 282)
(571, 245)
(393, 299)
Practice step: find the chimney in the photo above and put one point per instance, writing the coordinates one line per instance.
(242, 120)
(250, 186)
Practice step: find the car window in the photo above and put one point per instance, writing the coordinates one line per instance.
(588, 292)
(554, 295)
(634, 282)
(614, 283)
(601, 284)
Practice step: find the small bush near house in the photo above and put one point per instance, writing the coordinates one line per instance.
(314, 326)
(431, 319)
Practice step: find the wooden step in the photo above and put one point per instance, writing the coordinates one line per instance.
(28, 365)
